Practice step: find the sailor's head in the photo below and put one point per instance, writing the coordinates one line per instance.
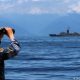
(4, 32)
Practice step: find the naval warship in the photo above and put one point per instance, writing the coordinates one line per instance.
(65, 34)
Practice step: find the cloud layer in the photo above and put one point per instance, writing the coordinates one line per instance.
(39, 6)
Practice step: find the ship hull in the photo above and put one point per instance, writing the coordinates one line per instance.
(55, 35)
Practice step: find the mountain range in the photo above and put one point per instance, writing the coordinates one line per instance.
(42, 24)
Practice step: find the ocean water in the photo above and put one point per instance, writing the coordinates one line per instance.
(45, 58)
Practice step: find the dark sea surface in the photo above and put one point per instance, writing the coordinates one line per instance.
(45, 58)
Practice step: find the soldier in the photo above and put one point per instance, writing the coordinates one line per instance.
(10, 51)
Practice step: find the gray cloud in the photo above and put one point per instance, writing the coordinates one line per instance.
(39, 6)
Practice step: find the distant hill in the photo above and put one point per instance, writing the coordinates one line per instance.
(41, 25)
(63, 22)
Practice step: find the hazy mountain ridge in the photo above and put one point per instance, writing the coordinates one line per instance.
(41, 25)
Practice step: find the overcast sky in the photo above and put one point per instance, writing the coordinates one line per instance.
(39, 6)
(37, 16)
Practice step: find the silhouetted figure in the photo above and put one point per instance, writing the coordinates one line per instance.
(10, 51)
